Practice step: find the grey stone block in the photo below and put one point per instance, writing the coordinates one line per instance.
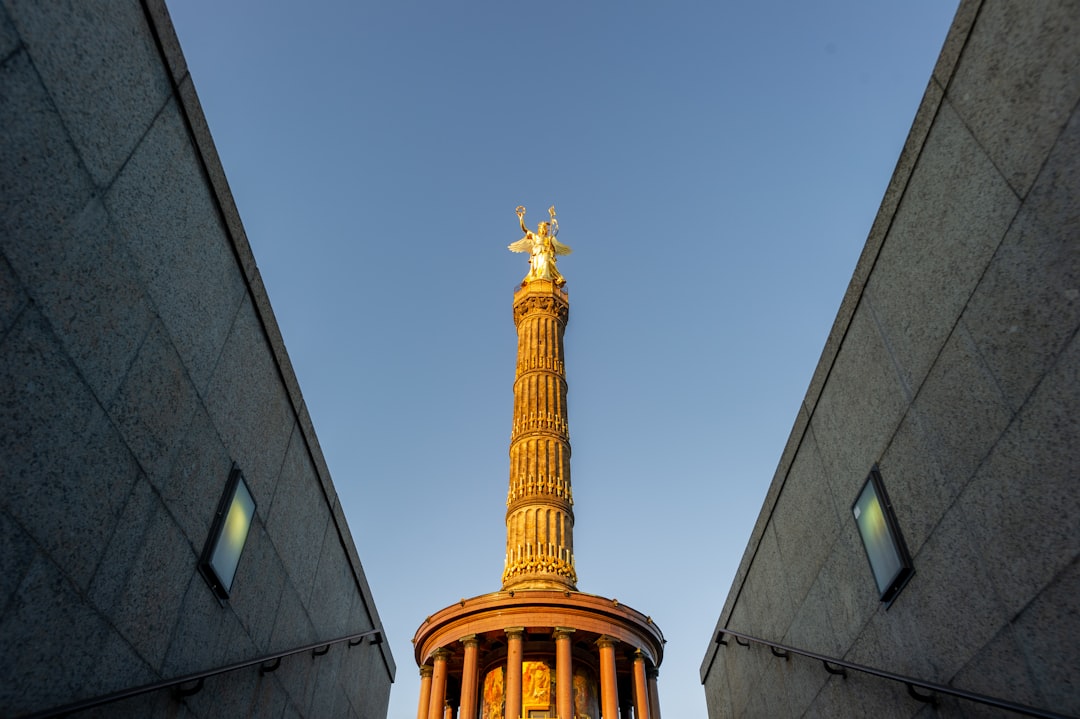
(298, 518)
(94, 301)
(919, 490)
(1027, 306)
(249, 406)
(60, 451)
(1053, 658)
(860, 407)
(110, 96)
(292, 627)
(9, 37)
(256, 591)
(154, 404)
(17, 550)
(141, 580)
(334, 590)
(811, 628)
(952, 217)
(1000, 669)
(12, 297)
(950, 601)
(766, 592)
(193, 487)
(172, 227)
(955, 41)
(1016, 83)
(226, 695)
(805, 520)
(207, 635)
(963, 406)
(270, 698)
(853, 596)
(42, 181)
(56, 648)
(1021, 507)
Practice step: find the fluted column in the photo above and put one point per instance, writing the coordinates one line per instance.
(467, 710)
(641, 691)
(654, 695)
(609, 690)
(425, 692)
(513, 672)
(438, 684)
(539, 503)
(564, 673)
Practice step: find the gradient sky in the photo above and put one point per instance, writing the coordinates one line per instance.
(716, 167)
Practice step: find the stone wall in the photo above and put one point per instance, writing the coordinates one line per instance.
(953, 364)
(139, 359)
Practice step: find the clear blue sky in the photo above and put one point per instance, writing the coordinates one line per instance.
(716, 167)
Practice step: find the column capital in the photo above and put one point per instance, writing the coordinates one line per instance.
(605, 641)
(426, 671)
(514, 631)
(639, 656)
(562, 632)
(652, 672)
(441, 653)
(470, 641)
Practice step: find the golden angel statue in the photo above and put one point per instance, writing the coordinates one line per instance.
(542, 248)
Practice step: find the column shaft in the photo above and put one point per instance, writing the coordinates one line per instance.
(609, 691)
(641, 692)
(469, 679)
(654, 694)
(438, 685)
(564, 674)
(513, 672)
(425, 692)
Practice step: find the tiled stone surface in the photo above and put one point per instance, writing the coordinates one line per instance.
(963, 407)
(1028, 304)
(919, 491)
(1016, 82)
(853, 596)
(12, 297)
(93, 300)
(298, 518)
(117, 60)
(257, 587)
(197, 477)
(207, 635)
(805, 520)
(334, 590)
(252, 415)
(141, 580)
(1022, 501)
(42, 181)
(1000, 670)
(859, 409)
(170, 223)
(9, 37)
(60, 450)
(952, 218)
(766, 593)
(292, 629)
(155, 403)
(53, 646)
(16, 552)
(1054, 660)
(955, 40)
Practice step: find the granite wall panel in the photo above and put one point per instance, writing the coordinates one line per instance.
(139, 360)
(86, 51)
(954, 365)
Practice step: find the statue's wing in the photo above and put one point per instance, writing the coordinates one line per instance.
(560, 248)
(523, 245)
